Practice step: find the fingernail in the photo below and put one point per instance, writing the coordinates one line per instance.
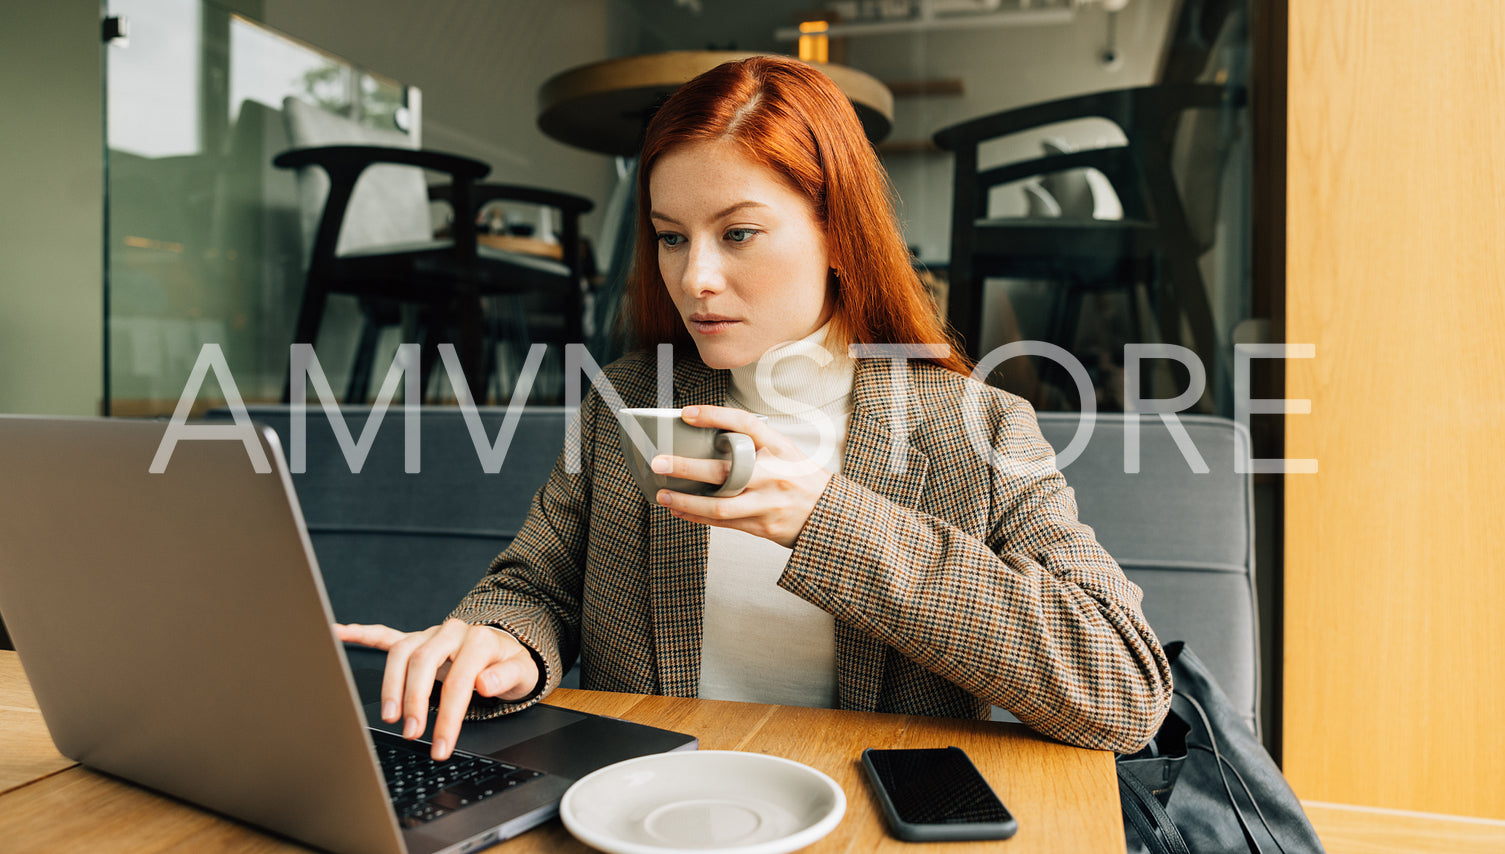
(661, 465)
(690, 412)
(389, 711)
(663, 497)
(410, 728)
(441, 749)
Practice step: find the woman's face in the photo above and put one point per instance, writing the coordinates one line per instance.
(740, 251)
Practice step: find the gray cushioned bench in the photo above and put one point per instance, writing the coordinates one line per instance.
(1186, 538)
(400, 548)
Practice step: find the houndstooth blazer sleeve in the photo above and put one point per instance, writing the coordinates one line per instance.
(596, 570)
(948, 550)
(954, 543)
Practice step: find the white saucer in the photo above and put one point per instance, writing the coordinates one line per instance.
(706, 800)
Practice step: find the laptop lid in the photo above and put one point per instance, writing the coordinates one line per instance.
(176, 633)
(172, 632)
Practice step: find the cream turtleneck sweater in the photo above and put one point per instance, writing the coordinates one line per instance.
(760, 642)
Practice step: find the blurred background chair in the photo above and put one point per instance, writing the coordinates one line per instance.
(546, 312)
(1153, 244)
(366, 214)
(1120, 234)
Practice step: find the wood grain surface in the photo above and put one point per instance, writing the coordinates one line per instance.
(1065, 798)
(26, 750)
(1394, 680)
(1364, 830)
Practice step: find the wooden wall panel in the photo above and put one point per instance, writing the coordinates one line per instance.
(1394, 692)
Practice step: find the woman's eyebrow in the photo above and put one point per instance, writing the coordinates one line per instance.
(721, 214)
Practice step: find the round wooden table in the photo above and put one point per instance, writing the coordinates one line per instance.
(604, 106)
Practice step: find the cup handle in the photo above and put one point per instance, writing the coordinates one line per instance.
(743, 454)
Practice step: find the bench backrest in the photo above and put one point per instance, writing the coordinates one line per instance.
(403, 549)
(1186, 538)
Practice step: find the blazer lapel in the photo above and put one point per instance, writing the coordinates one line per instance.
(879, 457)
(677, 558)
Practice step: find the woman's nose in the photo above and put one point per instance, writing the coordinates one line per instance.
(703, 273)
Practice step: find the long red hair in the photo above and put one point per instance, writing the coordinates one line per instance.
(792, 119)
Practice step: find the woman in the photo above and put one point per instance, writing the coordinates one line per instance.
(877, 560)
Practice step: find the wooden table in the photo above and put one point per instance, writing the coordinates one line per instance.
(525, 245)
(1065, 798)
(604, 106)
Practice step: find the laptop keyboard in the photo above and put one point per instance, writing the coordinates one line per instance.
(423, 790)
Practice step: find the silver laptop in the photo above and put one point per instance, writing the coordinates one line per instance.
(177, 634)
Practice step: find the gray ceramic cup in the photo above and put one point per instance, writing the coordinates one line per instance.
(663, 431)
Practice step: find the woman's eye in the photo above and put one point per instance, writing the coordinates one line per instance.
(740, 235)
(670, 239)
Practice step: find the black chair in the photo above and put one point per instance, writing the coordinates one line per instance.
(1154, 243)
(374, 242)
(547, 312)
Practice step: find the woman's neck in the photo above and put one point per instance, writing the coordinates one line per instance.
(794, 377)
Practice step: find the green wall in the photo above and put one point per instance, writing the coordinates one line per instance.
(51, 212)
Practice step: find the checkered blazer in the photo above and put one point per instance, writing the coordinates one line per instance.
(956, 581)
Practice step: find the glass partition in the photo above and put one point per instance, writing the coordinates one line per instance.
(952, 61)
(205, 240)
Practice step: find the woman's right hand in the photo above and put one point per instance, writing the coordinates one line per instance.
(468, 659)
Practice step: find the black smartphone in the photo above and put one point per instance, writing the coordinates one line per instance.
(931, 794)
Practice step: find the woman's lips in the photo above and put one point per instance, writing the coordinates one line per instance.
(710, 324)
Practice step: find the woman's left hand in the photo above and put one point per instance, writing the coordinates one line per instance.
(778, 499)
